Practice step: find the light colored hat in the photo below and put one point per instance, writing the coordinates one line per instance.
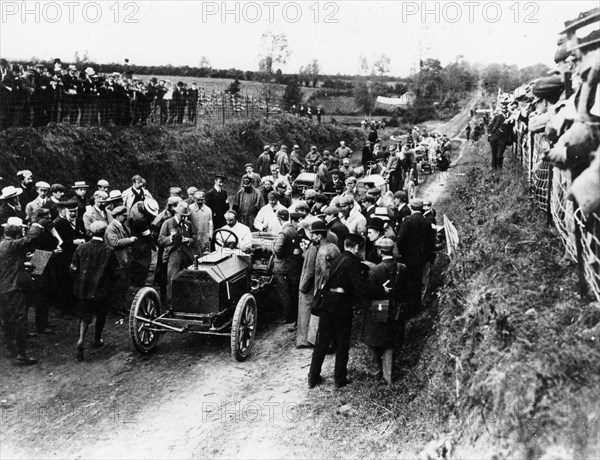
(80, 184)
(89, 71)
(16, 221)
(151, 206)
(72, 67)
(385, 244)
(192, 190)
(10, 192)
(173, 200)
(98, 227)
(183, 208)
(118, 211)
(101, 195)
(42, 185)
(114, 195)
(25, 173)
(102, 183)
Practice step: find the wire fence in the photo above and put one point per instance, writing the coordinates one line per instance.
(549, 186)
(130, 106)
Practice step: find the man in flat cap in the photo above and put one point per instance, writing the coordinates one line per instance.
(266, 220)
(95, 270)
(57, 192)
(15, 282)
(243, 233)
(250, 174)
(416, 244)
(97, 212)
(247, 202)
(42, 189)
(351, 217)
(25, 182)
(383, 327)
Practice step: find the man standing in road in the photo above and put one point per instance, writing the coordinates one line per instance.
(288, 263)
(345, 285)
(95, 271)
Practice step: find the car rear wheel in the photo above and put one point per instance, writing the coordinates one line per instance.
(146, 304)
(243, 327)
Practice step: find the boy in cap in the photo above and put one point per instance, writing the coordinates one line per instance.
(383, 329)
(95, 270)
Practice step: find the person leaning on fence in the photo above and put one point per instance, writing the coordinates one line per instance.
(95, 270)
(383, 327)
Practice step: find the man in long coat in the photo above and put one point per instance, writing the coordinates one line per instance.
(95, 270)
(327, 252)
(216, 200)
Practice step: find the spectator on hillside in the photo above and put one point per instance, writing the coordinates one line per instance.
(342, 151)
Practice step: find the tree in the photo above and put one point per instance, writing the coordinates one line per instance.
(204, 62)
(274, 50)
(363, 97)
(363, 66)
(381, 65)
(292, 94)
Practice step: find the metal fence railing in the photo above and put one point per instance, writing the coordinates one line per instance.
(549, 186)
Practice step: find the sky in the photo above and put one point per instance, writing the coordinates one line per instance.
(335, 33)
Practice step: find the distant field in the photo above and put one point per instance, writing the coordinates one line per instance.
(248, 88)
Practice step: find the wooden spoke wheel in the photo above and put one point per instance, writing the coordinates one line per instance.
(410, 189)
(243, 327)
(146, 304)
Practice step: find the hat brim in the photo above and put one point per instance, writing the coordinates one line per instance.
(79, 186)
(18, 191)
(578, 24)
(591, 44)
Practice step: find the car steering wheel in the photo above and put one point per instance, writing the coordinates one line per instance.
(225, 241)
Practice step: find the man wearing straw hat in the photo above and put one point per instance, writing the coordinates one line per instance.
(11, 206)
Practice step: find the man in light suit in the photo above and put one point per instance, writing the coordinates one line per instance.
(97, 212)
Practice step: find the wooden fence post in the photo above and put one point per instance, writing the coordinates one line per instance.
(583, 290)
(549, 195)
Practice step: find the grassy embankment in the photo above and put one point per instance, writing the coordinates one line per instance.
(166, 157)
(503, 364)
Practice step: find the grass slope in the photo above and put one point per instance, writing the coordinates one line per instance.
(516, 368)
(169, 156)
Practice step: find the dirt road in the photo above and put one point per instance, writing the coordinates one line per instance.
(188, 399)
